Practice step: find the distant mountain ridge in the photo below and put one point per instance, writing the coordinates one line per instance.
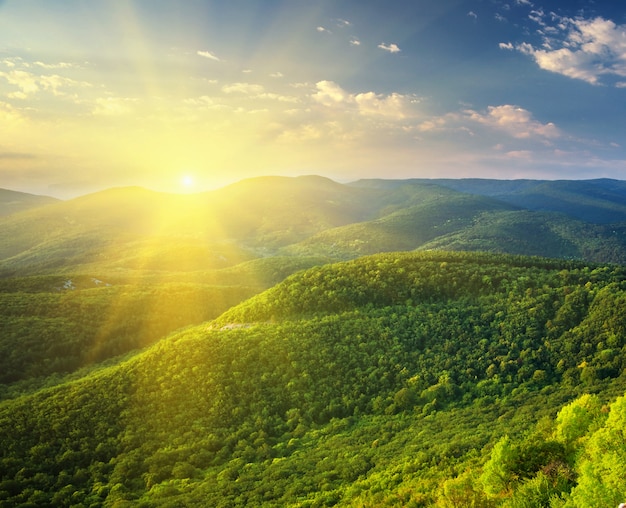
(14, 201)
(134, 228)
(601, 200)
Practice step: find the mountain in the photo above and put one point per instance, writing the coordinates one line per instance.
(132, 229)
(537, 234)
(414, 379)
(410, 227)
(13, 201)
(600, 201)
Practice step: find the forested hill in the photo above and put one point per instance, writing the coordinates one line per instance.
(134, 229)
(404, 379)
(601, 200)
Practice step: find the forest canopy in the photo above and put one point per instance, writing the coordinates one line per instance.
(399, 379)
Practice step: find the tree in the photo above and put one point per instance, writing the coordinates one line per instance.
(498, 472)
(602, 466)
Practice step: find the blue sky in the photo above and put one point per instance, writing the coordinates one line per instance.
(187, 96)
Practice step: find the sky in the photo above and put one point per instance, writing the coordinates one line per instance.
(190, 96)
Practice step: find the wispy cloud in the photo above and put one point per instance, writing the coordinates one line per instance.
(29, 83)
(513, 121)
(209, 55)
(59, 65)
(355, 42)
(392, 48)
(591, 50)
(322, 29)
(472, 14)
(243, 88)
(256, 91)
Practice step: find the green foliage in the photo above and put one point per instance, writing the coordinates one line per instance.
(575, 419)
(498, 472)
(388, 381)
(602, 465)
(60, 330)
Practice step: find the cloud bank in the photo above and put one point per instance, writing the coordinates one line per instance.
(591, 50)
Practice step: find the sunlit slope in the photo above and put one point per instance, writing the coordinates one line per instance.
(437, 213)
(270, 212)
(58, 324)
(13, 201)
(138, 229)
(64, 325)
(129, 227)
(342, 381)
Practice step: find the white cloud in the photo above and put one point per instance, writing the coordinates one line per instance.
(55, 84)
(537, 16)
(355, 42)
(392, 48)
(342, 23)
(321, 29)
(30, 83)
(515, 121)
(585, 49)
(393, 106)
(330, 93)
(472, 14)
(209, 55)
(506, 45)
(25, 81)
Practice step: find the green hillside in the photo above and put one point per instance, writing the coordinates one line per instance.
(537, 234)
(401, 379)
(55, 325)
(406, 229)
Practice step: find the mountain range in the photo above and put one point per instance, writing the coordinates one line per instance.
(133, 228)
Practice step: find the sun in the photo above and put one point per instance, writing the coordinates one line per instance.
(187, 182)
